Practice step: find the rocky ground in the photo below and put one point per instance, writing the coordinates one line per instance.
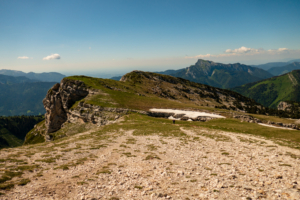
(202, 164)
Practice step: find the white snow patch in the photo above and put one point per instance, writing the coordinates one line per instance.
(172, 118)
(190, 114)
(275, 126)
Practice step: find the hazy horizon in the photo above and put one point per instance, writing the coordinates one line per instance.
(104, 73)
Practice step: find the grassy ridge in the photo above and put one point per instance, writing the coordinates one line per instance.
(271, 91)
(128, 98)
(144, 90)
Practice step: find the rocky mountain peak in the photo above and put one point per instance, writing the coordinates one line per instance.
(202, 62)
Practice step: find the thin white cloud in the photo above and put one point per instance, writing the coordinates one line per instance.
(90, 47)
(242, 50)
(23, 57)
(52, 57)
(245, 51)
(279, 50)
(282, 49)
(212, 56)
(200, 56)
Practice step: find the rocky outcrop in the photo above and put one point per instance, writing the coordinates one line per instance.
(250, 119)
(61, 97)
(284, 106)
(247, 118)
(96, 114)
(293, 126)
(55, 114)
(105, 115)
(58, 101)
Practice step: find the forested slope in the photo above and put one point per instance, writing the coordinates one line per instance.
(271, 91)
(14, 129)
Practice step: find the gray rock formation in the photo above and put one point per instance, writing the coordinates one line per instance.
(96, 114)
(250, 119)
(61, 97)
(284, 106)
(58, 101)
(247, 118)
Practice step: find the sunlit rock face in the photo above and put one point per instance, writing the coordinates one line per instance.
(284, 106)
(59, 99)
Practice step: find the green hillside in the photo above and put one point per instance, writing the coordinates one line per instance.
(14, 129)
(276, 71)
(144, 90)
(23, 98)
(271, 91)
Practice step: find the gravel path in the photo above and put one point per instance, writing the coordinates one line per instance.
(205, 164)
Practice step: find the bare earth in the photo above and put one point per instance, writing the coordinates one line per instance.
(206, 165)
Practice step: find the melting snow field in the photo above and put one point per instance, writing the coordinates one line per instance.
(275, 126)
(190, 114)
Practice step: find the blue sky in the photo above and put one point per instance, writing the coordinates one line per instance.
(117, 36)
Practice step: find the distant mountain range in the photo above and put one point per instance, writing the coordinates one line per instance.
(219, 75)
(270, 65)
(230, 75)
(43, 77)
(271, 91)
(22, 96)
(12, 80)
(284, 69)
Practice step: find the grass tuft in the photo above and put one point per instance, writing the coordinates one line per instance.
(6, 186)
(138, 187)
(152, 157)
(24, 182)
